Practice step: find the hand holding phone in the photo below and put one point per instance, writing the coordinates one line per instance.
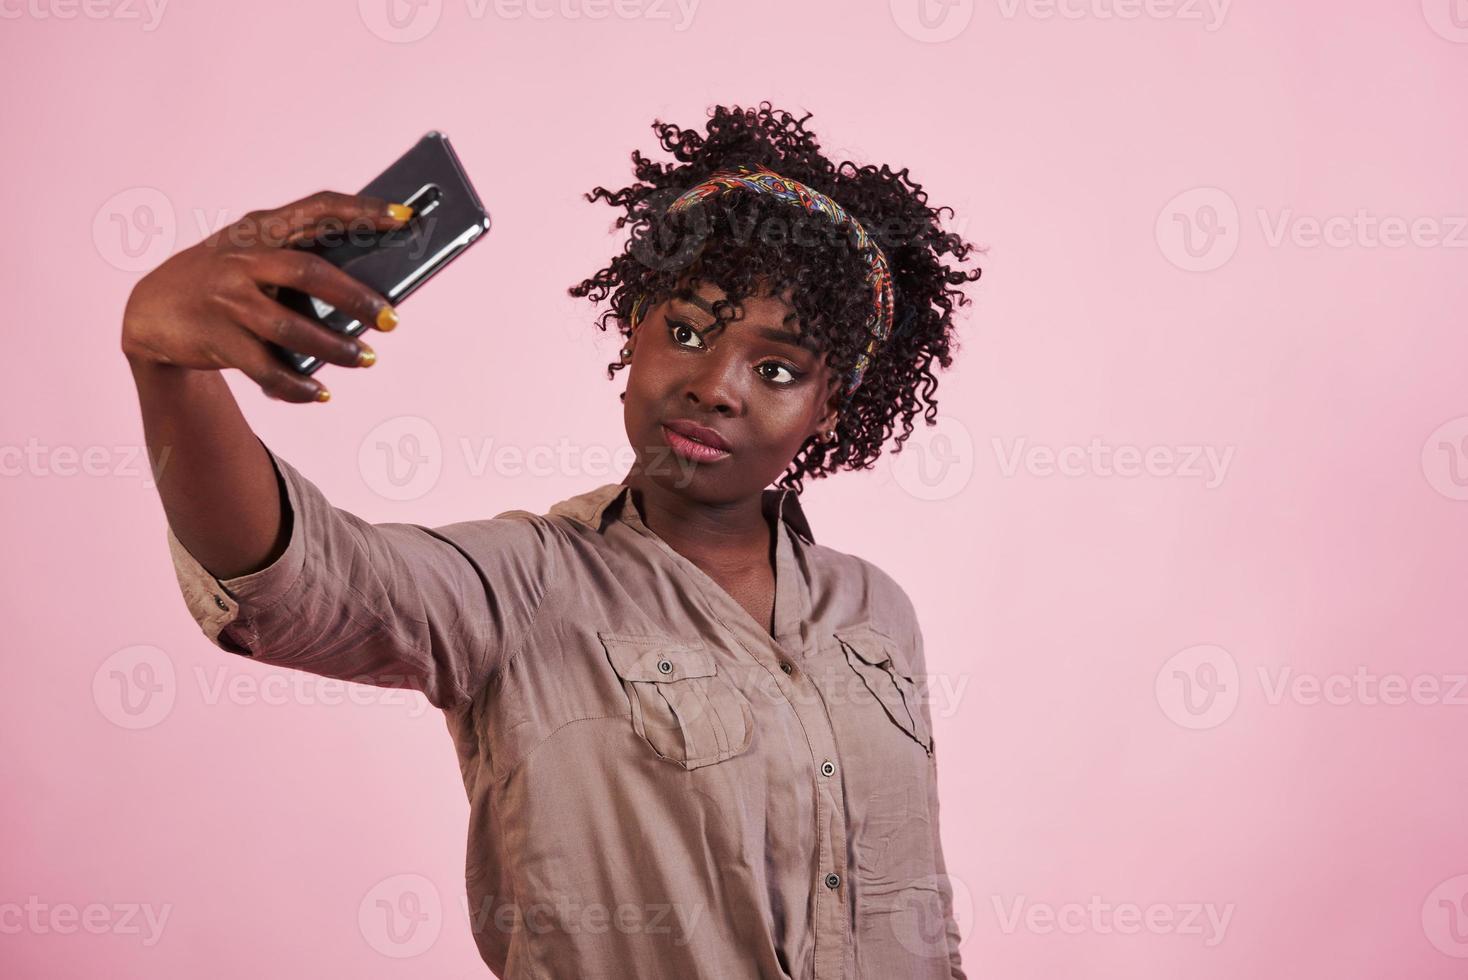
(212, 306)
(447, 218)
(253, 295)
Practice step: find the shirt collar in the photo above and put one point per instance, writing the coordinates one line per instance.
(595, 507)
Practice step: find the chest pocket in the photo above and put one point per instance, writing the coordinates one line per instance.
(681, 706)
(869, 653)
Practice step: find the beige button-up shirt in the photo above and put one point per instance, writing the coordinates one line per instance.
(658, 787)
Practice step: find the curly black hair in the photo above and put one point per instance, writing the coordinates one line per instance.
(749, 243)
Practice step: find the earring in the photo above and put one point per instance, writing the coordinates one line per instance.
(829, 435)
(626, 352)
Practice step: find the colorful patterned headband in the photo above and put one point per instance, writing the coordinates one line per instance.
(762, 180)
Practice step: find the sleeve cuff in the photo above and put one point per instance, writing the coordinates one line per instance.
(216, 603)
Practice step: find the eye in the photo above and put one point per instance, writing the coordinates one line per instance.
(677, 328)
(793, 375)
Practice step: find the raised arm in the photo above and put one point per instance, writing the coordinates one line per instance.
(267, 565)
(211, 307)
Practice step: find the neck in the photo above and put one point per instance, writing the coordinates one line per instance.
(724, 534)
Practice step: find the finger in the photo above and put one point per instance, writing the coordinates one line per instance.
(323, 211)
(356, 217)
(261, 365)
(314, 276)
(269, 320)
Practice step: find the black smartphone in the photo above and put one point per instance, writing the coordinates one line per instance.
(447, 218)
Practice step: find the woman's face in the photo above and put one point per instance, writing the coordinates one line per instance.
(749, 381)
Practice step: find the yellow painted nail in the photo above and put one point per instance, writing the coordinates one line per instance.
(367, 357)
(387, 318)
(399, 212)
(323, 395)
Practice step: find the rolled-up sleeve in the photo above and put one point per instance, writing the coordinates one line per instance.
(436, 610)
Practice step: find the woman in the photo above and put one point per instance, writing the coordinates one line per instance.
(695, 742)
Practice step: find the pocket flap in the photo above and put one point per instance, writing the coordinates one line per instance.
(869, 652)
(657, 659)
(872, 647)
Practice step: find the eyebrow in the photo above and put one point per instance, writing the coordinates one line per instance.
(790, 337)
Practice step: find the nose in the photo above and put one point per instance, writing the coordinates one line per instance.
(717, 383)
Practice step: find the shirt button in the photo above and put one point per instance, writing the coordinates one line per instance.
(833, 880)
(219, 602)
(828, 768)
(665, 666)
(785, 667)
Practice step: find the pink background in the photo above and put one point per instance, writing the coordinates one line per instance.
(1128, 660)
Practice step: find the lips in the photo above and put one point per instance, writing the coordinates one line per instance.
(699, 433)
